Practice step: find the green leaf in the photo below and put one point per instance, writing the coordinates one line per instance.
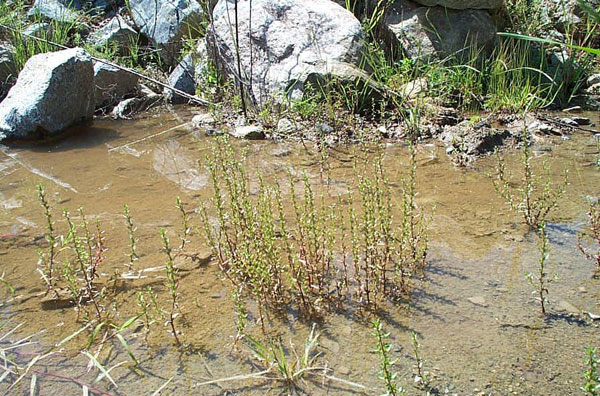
(126, 346)
(590, 50)
(129, 322)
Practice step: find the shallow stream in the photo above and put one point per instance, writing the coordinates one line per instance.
(476, 317)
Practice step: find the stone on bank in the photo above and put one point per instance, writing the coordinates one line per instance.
(285, 44)
(53, 91)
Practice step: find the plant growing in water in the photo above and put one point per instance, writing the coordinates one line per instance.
(382, 347)
(592, 233)
(286, 254)
(47, 258)
(131, 231)
(420, 376)
(533, 196)
(540, 280)
(172, 283)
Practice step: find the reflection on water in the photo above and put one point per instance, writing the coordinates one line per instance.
(475, 313)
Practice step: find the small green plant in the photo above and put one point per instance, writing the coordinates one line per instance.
(540, 280)
(591, 374)
(147, 301)
(185, 226)
(420, 378)
(532, 196)
(7, 284)
(47, 258)
(592, 233)
(382, 347)
(241, 315)
(133, 257)
(172, 283)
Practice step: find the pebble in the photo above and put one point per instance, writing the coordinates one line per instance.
(285, 127)
(566, 306)
(251, 132)
(582, 120)
(203, 120)
(478, 300)
(569, 121)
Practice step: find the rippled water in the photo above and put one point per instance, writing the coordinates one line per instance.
(475, 313)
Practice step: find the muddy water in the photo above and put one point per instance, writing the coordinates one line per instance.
(475, 314)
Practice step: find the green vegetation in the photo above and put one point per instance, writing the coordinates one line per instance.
(592, 233)
(591, 374)
(281, 259)
(541, 281)
(383, 350)
(532, 196)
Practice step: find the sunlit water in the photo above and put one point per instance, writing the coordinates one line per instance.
(475, 315)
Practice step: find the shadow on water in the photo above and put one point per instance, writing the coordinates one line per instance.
(77, 138)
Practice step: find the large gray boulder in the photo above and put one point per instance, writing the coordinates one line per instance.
(54, 91)
(112, 84)
(116, 32)
(181, 78)
(166, 23)
(57, 10)
(464, 4)
(287, 43)
(419, 32)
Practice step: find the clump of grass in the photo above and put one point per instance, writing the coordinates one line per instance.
(541, 280)
(592, 233)
(533, 196)
(591, 373)
(383, 350)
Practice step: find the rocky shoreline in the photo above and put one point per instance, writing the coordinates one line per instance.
(273, 54)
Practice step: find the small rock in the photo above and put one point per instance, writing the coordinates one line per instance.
(126, 108)
(8, 68)
(593, 79)
(593, 316)
(566, 306)
(203, 120)
(569, 121)
(250, 132)
(323, 127)
(285, 127)
(117, 31)
(61, 11)
(414, 88)
(281, 151)
(478, 300)
(112, 84)
(343, 370)
(582, 120)
(593, 89)
(166, 23)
